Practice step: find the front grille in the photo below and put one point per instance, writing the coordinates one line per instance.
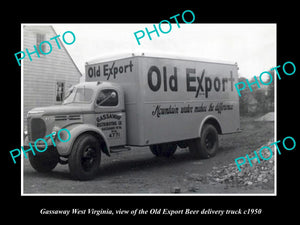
(29, 129)
(36, 129)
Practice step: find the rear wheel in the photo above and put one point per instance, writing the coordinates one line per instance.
(206, 146)
(85, 157)
(165, 150)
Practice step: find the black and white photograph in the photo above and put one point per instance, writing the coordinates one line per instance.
(138, 112)
(166, 108)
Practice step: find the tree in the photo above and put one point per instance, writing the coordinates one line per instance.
(244, 98)
(262, 102)
(270, 95)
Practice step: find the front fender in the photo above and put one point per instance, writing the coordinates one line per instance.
(65, 148)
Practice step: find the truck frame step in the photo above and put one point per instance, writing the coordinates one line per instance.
(119, 149)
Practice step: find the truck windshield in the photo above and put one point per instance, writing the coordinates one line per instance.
(78, 95)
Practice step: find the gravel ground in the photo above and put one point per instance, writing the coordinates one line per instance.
(260, 174)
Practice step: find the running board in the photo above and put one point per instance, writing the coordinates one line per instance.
(119, 149)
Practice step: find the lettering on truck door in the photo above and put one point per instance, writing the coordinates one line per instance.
(112, 120)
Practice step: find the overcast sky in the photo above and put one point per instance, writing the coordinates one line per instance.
(252, 46)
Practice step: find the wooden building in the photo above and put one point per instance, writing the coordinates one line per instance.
(48, 77)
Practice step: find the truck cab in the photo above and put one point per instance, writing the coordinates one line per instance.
(94, 114)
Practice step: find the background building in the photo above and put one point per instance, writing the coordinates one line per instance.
(48, 77)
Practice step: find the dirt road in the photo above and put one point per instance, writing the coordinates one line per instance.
(138, 171)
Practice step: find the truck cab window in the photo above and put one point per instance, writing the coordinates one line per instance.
(107, 97)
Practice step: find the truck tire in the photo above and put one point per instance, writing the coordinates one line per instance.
(44, 162)
(85, 157)
(207, 145)
(165, 150)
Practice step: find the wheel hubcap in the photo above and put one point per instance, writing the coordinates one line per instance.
(88, 158)
(209, 141)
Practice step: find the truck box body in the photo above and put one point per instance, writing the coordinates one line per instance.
(168, 99)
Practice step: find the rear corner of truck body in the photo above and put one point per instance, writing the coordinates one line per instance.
(170, 116)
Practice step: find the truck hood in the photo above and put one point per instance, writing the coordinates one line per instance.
(63, 109)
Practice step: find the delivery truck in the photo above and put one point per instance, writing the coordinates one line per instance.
(166, 103)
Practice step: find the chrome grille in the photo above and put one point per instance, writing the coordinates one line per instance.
(36, 129)
(29, 129)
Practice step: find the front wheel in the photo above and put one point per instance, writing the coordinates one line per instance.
(44, 162)
(207, 145)
(85, 157)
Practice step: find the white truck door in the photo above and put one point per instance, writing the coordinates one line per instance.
(110, 116)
